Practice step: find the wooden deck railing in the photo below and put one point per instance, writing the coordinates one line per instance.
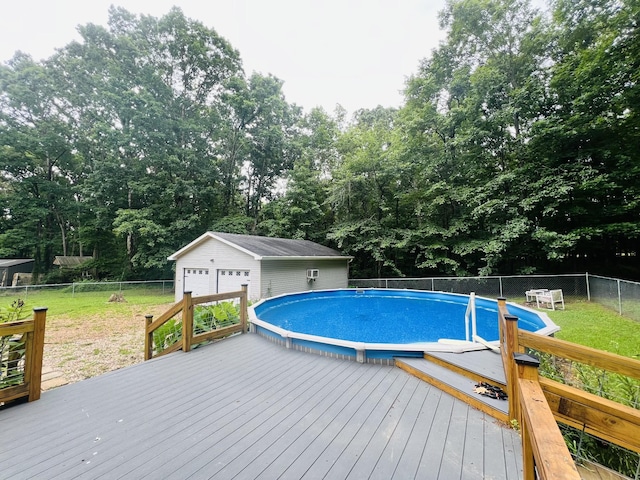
(538, 403)
(186, 307)
(31, 333)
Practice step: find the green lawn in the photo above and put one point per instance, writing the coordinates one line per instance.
(596, 326)
(87, 304)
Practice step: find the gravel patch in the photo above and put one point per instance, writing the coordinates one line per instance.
(81, 349)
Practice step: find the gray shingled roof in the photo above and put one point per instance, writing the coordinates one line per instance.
(10, 262)
(278, 247)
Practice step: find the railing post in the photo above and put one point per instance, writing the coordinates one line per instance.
(527, 368)
(544, 452)
(37, 351)
(187, 321)
(502, 310)
(510, 343)
(243, 307)
(148, 338)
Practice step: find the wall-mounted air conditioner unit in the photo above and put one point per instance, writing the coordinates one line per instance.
(312, 274)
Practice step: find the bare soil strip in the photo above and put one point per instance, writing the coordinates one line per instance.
(78, 349)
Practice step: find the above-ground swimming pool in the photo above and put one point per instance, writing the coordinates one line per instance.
(383, 323)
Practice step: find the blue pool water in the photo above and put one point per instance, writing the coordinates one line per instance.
(387, 316)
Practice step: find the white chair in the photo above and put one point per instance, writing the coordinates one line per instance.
(532, 294)
(550, 298)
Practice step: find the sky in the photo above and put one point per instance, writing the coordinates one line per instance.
(356, 53)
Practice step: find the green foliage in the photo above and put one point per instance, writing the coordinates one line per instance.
(206, 318)
(14, 312)
(212, 317)
(12, 348)
(167, 334)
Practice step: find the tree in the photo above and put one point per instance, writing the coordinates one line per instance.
(591, 136)
(38, 169)
(301, 211)
(146, 95)
(470, 112)
(271, 150)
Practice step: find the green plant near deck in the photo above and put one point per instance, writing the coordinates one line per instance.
(205, 319)
(12, 347)
(167, 334)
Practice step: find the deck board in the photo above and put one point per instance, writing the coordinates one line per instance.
(245, 408)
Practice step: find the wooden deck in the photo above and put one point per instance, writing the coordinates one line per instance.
(246, 408)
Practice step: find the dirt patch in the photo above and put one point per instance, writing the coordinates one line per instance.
(97, 344)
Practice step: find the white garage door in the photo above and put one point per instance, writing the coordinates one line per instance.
(196, 281)
(230, 280)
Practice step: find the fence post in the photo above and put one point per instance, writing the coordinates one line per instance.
(588, 289)
(187, 321)
(148, 338)
(37, 351)
(243, 307)
(619, 299)
(500, 279)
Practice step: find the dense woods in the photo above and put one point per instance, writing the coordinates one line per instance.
(516, 150)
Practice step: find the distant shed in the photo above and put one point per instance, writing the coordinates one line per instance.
(221, 262)
(10, 266)
(67, 261)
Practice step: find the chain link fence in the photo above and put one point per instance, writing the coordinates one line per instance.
(154, 287)
(620, 295)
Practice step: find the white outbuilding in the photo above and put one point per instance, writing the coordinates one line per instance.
(222, 262)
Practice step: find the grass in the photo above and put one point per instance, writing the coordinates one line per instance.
(596, 326)
(89, 304)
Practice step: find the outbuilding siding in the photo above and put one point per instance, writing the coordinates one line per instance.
(286, 276)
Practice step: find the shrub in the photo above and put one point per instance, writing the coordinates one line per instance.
(206, 318)
(12, 348)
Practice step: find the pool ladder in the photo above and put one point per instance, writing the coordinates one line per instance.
(470, 318)
(470, 314)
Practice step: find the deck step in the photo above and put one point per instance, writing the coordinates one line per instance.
(480, 366)
(455, 384)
